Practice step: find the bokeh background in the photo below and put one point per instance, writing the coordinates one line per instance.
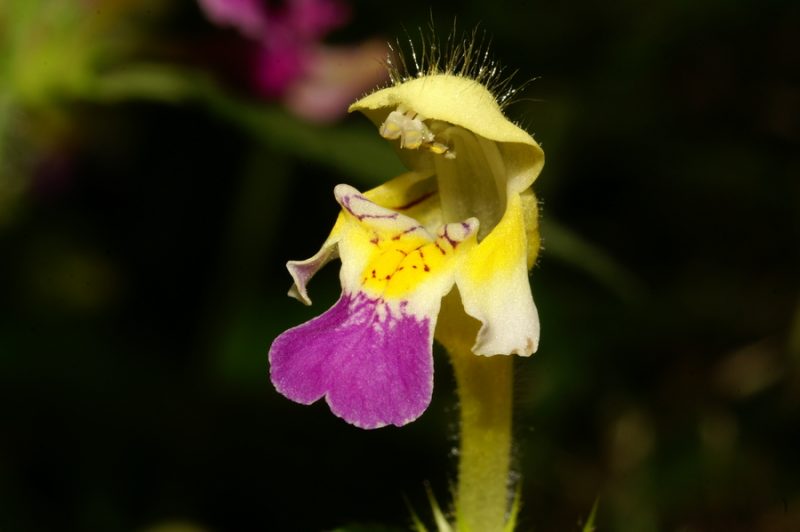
(156, 175)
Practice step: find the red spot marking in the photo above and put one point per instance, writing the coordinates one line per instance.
(388, 277)
(414, 266)
(373, 274)
(427, 269)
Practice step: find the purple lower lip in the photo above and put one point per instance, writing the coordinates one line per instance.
(371, 363)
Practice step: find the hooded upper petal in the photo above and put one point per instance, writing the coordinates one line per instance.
(465, 103)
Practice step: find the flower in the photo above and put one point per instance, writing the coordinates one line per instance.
(463, 216)
(289, 62)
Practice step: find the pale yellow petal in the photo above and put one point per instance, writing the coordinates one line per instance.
(388, 255)
(494, 286)
(303, 270)
(530, 212)
(413, 194)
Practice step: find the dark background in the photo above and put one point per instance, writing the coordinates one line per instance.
(142, 280)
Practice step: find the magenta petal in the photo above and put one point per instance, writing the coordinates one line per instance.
(313, 19)
(275, 69)
(248, 16)
(374, 367)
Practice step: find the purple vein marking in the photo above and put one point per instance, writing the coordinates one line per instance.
(455, 242)
(398, 236)
(446, 235)
(416, 201)
(346, 203)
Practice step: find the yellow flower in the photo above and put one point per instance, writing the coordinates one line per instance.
(463, 216)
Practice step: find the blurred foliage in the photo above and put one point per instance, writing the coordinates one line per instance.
(148, 205)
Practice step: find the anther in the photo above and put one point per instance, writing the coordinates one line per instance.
(410, 128)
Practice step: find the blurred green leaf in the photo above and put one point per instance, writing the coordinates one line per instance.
(563, 244)
(355, 150)
(48, 49)
(590, 526)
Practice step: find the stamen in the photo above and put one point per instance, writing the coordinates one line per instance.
(410, 128)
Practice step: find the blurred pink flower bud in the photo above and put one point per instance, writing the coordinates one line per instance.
(315, 81)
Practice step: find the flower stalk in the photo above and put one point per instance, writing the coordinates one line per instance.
(484, 391)
(484, 387)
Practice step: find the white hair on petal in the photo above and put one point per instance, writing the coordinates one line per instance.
(464, 54)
